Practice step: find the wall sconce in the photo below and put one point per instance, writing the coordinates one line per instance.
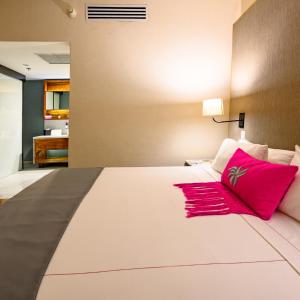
(215, 107)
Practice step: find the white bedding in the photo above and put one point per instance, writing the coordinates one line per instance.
(130, 239)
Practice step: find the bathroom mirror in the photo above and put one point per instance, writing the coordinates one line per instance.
(56, 99)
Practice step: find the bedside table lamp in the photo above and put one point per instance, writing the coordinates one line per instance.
(215, 107)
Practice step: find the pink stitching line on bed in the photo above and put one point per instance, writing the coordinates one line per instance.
(163, 267)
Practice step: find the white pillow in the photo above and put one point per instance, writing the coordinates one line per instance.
(290, 204)
(229, 146)
(278, 156)
(296, 159)
(256, 150)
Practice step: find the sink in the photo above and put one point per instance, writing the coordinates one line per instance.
(56, 132)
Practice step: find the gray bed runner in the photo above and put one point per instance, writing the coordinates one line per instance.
(31, 226)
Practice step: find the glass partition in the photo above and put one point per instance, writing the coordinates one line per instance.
(10, 125)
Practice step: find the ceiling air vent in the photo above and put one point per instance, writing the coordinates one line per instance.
(116, 12)
(55, 59)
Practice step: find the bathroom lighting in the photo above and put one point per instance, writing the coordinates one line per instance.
(215, 107)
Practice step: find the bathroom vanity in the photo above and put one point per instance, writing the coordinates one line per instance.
(45, 143)
(53, 146)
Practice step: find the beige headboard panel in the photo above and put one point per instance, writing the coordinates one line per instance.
(266, 73)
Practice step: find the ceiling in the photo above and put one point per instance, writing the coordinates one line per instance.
(19, 56)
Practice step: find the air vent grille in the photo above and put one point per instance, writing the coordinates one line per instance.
(55, 59)
(116, 12)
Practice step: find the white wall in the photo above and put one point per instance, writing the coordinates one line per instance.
(10, 125)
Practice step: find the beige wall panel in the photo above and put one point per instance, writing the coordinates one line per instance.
(136, 87)
(266, 73)
(246, 4)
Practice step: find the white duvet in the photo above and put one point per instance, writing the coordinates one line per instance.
(130, 240)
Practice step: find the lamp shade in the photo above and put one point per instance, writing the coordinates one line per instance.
(213, 107)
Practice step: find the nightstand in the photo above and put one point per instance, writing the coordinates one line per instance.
(193, 162)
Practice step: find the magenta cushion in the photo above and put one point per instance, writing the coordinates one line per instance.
(259, 184)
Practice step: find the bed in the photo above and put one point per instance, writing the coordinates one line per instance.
(129, 239)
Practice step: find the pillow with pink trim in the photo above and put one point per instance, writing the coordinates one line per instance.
(259, 184)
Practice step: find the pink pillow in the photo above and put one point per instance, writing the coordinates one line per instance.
(259, 184)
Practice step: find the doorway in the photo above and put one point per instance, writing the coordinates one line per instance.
(22, 110)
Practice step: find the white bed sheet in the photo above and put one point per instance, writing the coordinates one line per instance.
(130, 239)
(283, 233)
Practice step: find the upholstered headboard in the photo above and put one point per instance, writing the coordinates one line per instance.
(266, 73)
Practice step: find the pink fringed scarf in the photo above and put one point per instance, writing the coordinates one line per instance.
(211, 198)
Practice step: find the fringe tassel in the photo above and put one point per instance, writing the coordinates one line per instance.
(210, 198)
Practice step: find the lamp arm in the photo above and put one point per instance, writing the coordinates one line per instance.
(229, 121)
(241, 120)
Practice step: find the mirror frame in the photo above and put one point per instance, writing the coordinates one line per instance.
(56, 85)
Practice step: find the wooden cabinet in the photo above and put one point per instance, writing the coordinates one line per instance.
(56, 99)
(42, 145)
(57, 85)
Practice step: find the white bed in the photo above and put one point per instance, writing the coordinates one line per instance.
(130, 240)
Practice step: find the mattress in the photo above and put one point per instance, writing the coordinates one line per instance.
(130, 239)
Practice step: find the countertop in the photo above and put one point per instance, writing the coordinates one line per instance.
(50, 136)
